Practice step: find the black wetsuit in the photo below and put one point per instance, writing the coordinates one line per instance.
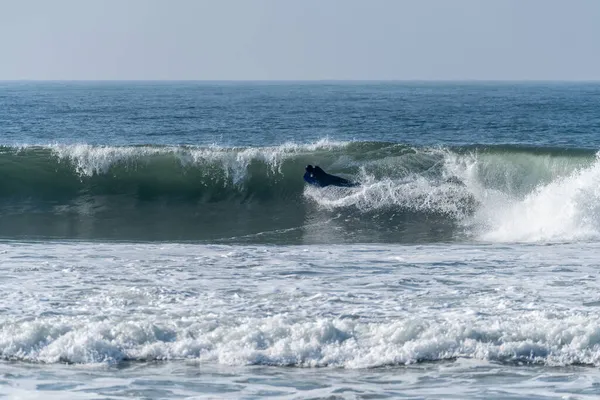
(316, 176)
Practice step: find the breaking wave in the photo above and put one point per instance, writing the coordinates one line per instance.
(535, 337)
(406, 194)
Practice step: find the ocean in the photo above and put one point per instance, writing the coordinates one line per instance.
(157, 240)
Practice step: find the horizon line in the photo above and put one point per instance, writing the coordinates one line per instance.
(316, 80)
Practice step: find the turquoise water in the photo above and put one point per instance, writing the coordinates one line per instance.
(157, 240)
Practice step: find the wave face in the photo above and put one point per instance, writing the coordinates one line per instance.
(407, 194)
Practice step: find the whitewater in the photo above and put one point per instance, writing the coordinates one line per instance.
(157, 241)
(379, 319)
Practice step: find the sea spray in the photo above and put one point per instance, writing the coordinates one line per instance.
(406, 193)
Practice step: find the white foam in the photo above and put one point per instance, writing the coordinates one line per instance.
(560, 339)
(565, 209)
(414, 193)
(96, 160)
(344, 306)
(92, 160)
(541, 199)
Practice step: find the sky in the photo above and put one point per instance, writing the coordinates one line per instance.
(300, 39)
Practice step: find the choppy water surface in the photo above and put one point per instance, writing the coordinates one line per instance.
(405, 315)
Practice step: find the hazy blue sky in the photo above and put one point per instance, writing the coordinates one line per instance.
(300, 39)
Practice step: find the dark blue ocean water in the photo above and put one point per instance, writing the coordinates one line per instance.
(262, 114)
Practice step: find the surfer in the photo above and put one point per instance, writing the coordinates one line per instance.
(317, 177)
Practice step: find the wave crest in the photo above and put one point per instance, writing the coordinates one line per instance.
(493, 193)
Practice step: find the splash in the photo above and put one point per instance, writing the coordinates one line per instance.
(496, 193)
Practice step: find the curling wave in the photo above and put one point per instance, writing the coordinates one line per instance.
(407, 194)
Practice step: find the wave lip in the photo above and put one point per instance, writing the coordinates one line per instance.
(96, 160)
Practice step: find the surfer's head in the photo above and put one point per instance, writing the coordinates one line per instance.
(309, 168)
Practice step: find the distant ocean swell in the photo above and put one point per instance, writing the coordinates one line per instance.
(407, 194)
